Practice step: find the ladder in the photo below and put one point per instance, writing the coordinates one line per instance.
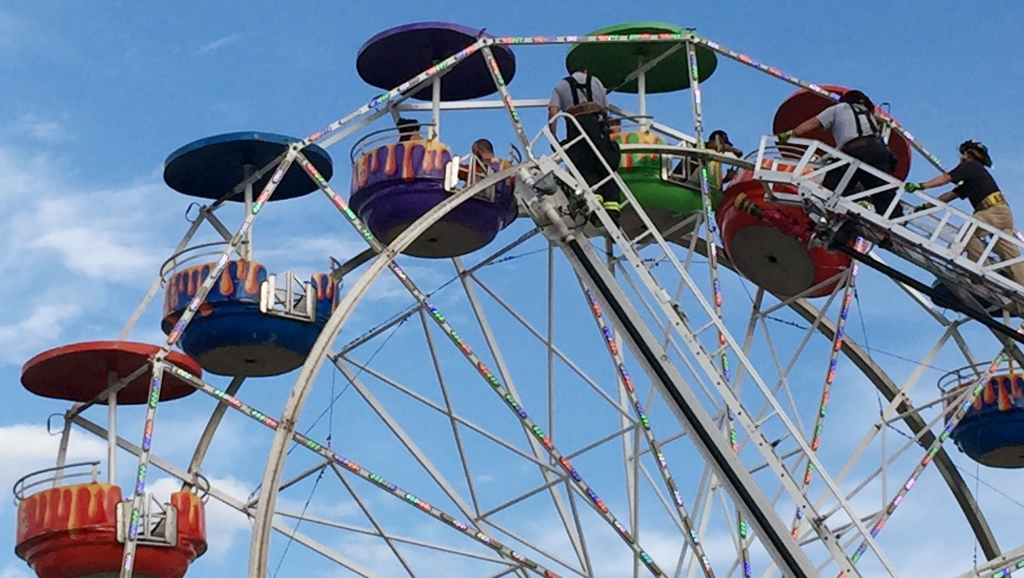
(930, 234)
(558, 198)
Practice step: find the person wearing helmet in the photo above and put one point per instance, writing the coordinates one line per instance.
(975, 183)
(583, 96)
(857, 133)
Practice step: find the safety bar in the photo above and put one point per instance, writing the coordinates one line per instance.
(24, 484)
(190, 255)
(374, 139)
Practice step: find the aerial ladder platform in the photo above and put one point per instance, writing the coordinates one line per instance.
(930, 234)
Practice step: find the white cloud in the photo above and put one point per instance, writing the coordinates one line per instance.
(42, 325)
(25, 448)
(43, 130)
(64, 249)
(110, 245)
(218, 44)
(14, 571)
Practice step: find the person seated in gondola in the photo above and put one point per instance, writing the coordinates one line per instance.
(718, 141)
(975, 183)
(408, 130)
(584, 96)
(482, 152)
(483, 162)
(857, 133)
(614, 127)
(688, 168)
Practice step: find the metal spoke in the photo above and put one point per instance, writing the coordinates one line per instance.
(373, 520)
(456, 436)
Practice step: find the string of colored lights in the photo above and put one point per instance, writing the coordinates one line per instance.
(401, 88)
(513, 114)
(593, 38)
(711, 226)
(710, 231)
(138, 495)
(963, 403)
(687, 35)
(510, 400)
(781, 75)
(155, 385)
(1007, 569)
(326, 452)
(638, 408)
(744, 59)
(786, 77)
(830, 375)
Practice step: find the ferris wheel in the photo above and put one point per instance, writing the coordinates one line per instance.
(682, 392)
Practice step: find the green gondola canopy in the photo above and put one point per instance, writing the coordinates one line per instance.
(612, 62)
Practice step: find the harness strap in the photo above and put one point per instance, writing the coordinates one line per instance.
(575, 87)
(857, 113)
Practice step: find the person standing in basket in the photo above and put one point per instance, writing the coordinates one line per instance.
(584, 97)
(975, 183)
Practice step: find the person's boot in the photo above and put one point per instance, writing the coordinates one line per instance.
(847, 232)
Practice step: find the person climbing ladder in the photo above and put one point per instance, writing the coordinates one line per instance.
(975, 183)
(856, 132)
(585, 98)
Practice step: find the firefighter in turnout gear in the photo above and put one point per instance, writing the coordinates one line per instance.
(585, 97)
(975, 183)
(857, 133)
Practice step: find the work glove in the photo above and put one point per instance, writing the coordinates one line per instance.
(911, 187)
(785, 135)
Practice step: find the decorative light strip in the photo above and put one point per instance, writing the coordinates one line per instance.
(638, 408)
(1007, 569)
(687, 35)
(401, 88)
(365, 474)
(711, 229)
(773, 71)
(594, 38)
(966, 400)
(510, 400)
(830, 375)
(705, 196)
(155, 384)
(934, 160)
(499, 82)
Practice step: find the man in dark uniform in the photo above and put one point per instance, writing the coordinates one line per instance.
(585, 97)
(975, 183)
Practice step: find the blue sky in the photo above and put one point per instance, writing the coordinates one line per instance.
(94, 96)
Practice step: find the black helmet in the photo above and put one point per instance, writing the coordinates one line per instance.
(857, 97)
(978, 150)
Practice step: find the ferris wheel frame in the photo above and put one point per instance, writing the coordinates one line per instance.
(385, 259)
